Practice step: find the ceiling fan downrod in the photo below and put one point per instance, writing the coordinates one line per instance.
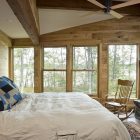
(108, 4)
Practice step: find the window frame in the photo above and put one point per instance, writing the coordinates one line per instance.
(137, 67)
(88, 70)
(69, 64)
(11, 62)
(53, 70)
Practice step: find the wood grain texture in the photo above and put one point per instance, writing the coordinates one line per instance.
(124, 31)
(11, 63)
(67, 4)
(138, 72)
(22, 42)
(84, 5)
(5, 40)
(38, 72)
(69, 67)
(26, 12)
(103, 71)
(125, 4)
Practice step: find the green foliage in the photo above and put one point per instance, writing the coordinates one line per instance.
(122, 65)
(24, 68)
(83, 58)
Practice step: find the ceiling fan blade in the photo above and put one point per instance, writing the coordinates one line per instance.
(121, 0)
(97, 3)
(115, 14)
(128, 3)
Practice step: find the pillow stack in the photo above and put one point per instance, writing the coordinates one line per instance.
(9, 93)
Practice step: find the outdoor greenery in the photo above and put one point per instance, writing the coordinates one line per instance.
(85, 69)
(122, 65)
(54, 59)
(24, 69)
(84, 58)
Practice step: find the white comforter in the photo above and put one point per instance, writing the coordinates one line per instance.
(43, 116)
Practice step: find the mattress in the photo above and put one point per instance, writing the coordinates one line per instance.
(54, 116)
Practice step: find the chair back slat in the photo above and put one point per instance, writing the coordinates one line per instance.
(124, 90)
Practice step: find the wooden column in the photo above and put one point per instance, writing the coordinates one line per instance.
(69, 69)
(138, 72)
(103, 70)
(38, 74)
(11, 63)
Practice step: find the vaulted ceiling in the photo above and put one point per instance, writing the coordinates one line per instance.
(19, 18)
(85, 5)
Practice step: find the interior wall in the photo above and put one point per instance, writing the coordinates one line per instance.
(123, 31)
(3, 60)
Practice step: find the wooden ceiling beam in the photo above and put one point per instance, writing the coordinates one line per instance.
(67, 4)
(26, 12)
(84, 5)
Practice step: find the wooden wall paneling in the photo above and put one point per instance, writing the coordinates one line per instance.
(38, 72)
(22, 42)
(5, 40)
(70, 37)
(11, 63)
(123, 31)
(119, 37)
(76, 42)
(69, 66)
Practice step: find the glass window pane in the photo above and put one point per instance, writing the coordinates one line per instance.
(54, 58)
(24, 69)
(85, 58)
(85, 82)
(122, 65)
(54, 81)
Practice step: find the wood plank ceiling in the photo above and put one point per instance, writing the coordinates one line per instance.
(85, 5)
(26, 11)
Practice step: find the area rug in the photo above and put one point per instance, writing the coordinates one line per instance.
(133, 129)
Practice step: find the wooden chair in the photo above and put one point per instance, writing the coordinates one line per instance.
(122, 96)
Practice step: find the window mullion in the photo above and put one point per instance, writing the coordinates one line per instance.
(69, 66)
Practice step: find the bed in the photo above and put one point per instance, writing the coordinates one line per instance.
(52, 116)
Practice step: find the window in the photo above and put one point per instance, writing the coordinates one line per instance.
(24, 69)
(85, 69)
(122, 64)
(54, 69)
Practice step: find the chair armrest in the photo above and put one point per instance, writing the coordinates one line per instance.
(106, 97)
(109, 98)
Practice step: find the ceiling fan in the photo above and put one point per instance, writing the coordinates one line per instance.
(109, 9)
